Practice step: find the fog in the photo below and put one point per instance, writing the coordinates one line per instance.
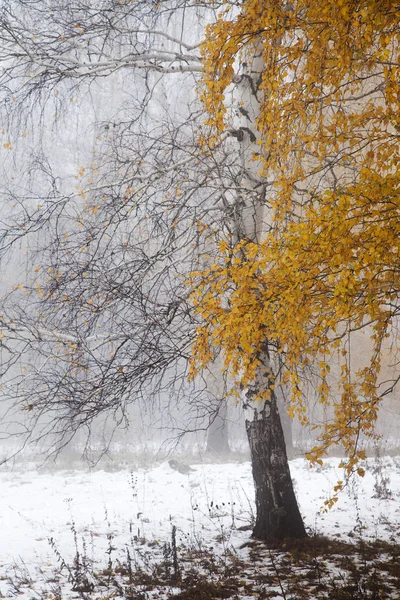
(49, 145)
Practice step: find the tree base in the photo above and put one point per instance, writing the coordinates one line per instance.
(278, 516)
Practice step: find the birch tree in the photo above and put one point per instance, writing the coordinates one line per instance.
(327, 133)
(104, 317)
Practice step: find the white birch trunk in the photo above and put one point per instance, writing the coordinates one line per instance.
(278, 515)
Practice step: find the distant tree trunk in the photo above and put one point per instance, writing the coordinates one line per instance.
(286, 422)
(277, 513)
(217, 437)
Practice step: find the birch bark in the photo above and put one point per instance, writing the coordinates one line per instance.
(277, 515)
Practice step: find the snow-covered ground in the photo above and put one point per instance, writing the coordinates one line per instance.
(98, 511)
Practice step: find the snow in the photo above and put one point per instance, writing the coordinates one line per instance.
(97, 509)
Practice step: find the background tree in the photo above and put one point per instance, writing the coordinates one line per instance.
(101, 316)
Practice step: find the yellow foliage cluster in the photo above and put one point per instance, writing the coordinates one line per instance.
(330, 139)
